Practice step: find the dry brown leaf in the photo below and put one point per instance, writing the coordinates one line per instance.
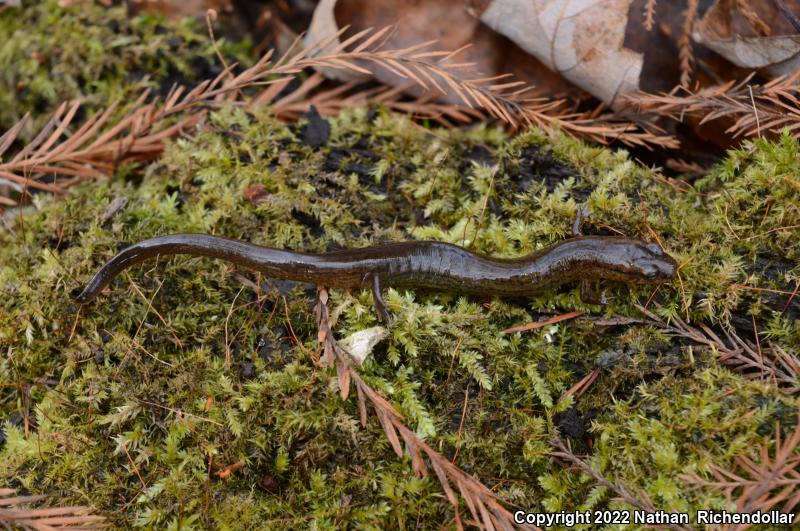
(739, 35)
(580, 39)
(343, 376)
(323, 25)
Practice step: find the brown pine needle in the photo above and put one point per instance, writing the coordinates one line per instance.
(776, 103)
(753, 361)
(762, 481)
(582, 385)
(542, 324)
(15, 513)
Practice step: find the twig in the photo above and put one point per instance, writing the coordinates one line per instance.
(582, 385)
(541, 324)
(227, 319)
(755, 111)
(133, 464)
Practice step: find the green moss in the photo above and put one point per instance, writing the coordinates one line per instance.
(96, 54)
(129, 382)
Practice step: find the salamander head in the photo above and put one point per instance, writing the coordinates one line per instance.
(639, 262)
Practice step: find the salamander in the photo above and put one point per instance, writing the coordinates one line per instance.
(416, 264)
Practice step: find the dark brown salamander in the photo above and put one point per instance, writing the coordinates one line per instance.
(431, 265)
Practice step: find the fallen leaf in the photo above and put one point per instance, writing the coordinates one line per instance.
(323, 26)
(580, 39)
(740, 36)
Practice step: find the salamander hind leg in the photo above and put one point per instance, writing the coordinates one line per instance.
(377, 299)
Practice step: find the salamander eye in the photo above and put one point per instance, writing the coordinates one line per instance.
(654, 248)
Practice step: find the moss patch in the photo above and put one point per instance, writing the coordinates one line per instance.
(129, 404)
(96, 54)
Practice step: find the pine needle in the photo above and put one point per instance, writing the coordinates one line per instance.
(773, 106)
(772, 363)
(15, 513)
(759, 481)
(643, 502)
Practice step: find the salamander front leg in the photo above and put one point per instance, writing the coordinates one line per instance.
(590, 295)
(377, 299)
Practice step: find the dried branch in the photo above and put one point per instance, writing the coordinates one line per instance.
(752, 18)
(644, 503)
(754, 109)
(649, 14)
(330, 101)
(761, 483)
(772, 363)
(685, 42)
(93, 150)
(482, 503)
(602, 128)
(14, 515)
